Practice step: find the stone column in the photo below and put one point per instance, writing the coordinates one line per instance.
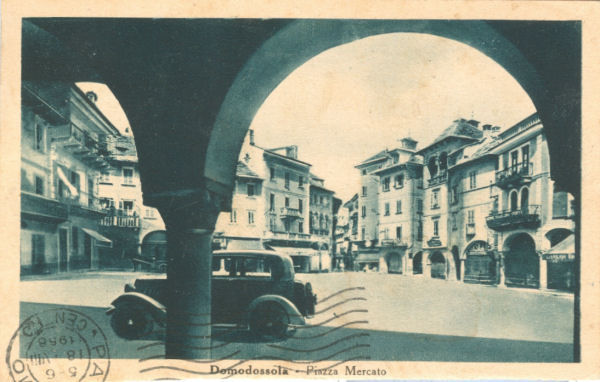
(190, 218)
(543, 274)
(462, 270)
(501, 277)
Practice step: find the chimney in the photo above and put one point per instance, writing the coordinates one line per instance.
(409, 143)
(291, 152)
(473, 122)
(251, 136)
(92, 96)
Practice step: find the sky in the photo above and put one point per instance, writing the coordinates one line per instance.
(357, 99)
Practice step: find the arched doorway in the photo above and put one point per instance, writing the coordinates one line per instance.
(514, 197)
(394, 262)
(480, 265)
(438, 265)
(524, 198)
(154, 251)
(418, 263)
(560, 259)
(521, 262)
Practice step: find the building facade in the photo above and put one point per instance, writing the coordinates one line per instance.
(484, 209)
(63, 153)
(273, 203)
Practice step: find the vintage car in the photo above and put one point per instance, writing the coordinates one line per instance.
(253, 289)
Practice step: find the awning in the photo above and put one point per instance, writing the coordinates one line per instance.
(367, 258)
(61, 175)
(295, 251)
(563, 251)
(101, 239)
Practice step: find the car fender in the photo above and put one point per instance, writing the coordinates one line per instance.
(158, 310)
(293, 313)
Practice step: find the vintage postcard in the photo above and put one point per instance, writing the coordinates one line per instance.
(234, 189)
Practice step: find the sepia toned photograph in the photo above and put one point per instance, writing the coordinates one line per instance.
(295, 197)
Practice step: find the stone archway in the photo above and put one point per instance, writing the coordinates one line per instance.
(438, 265)
(417, 265)
(521, 262)
(480, 265)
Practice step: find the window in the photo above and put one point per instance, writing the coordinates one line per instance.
(250, 217)
(300, 205)
(419, 231)
(321, 200)
(525, 158)
(436, 227)
(387, 209)
(272, 172)
(300, 227)
(419, 206)
(287, 202)
(364, 211)
(127, 175)
(250, 189)
(272, 225)
(39, 185)
(40, 138)
(454, 194)
(326, 222)
(233, 216)
(453, 221)
(435, 196)
(513, 200)
(398, 206)
(514, 161)
(104, 178)
(471, 217)
(300, 181)
(386, 183)
(399, 232)
(150, 213)
(272, 202)
(399, 181)
(364, 172)
(364, 191)
(75, 180)
(286, 225)
(128, 207)
(524, 199)
(385, 233)
(107, 203)
(472, 180)
(287, 180)
(362, 233)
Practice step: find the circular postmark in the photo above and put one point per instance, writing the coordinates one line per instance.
(58, 345)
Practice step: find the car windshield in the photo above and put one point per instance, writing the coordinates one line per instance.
(251, 266)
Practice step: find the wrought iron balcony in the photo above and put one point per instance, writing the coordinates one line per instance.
(121, 218)
(515, 175)
(88, 147)
(290, 213)
(42, 208)
(528, 217)
(438, 179)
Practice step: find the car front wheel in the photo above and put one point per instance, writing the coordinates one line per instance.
(269, 321)
(131, 322)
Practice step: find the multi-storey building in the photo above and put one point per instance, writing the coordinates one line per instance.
(437, 259)
(529, 215)
(134, 228)
(384, 214)
(271, 205)
(400, 207)
(63, 153)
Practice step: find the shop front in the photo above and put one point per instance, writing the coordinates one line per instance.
(560, 265)
(480, 264)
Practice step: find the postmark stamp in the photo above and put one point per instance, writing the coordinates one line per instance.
(58, 345)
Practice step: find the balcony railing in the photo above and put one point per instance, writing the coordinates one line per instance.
(515, 175)
(393, 243)
(528, 217)
(40, 207)
(438, 179)
(87, 146)
(121, 218)
(292, 213)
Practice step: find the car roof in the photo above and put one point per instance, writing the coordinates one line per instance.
(245, 252)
